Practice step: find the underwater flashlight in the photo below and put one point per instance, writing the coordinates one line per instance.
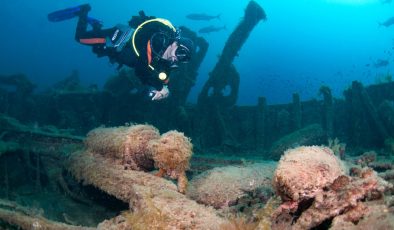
(162, 76)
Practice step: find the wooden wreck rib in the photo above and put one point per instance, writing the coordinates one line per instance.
(20, 216)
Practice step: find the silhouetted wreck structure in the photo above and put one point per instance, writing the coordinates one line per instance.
(213, 102)
(215, 122)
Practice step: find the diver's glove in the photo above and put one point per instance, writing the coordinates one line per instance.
(162, 94)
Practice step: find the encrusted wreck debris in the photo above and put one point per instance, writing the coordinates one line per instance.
(15, 136)
(25, 218)
(101, 165)
(140, 147)
(153, 199)
(310, 135)
(31, 165)
(20, 82)
(234, 187)
(213, 99)
(224, 74)
(364, 114)
(316, 191)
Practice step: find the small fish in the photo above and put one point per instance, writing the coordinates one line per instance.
(387, 23)
(202, 17)
(381, 63)
(209, 29)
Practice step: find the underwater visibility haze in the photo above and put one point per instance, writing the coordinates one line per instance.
(277, 114)
(302, 45)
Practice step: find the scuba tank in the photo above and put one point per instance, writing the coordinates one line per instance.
(120, 37)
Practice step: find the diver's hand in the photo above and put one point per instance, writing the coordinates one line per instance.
(162, 94)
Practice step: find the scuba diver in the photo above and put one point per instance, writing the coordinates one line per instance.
(150, 45)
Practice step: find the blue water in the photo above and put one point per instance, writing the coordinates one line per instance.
(301, 46)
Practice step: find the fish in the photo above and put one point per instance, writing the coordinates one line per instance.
(210, 29)
(381, 63)
(387, 23)
(202, 17)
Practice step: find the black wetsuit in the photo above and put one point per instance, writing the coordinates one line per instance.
(104, 41)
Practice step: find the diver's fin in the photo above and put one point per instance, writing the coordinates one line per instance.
(95, 23)
(61, 15)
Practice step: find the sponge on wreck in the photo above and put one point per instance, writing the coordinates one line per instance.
(304, 171)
